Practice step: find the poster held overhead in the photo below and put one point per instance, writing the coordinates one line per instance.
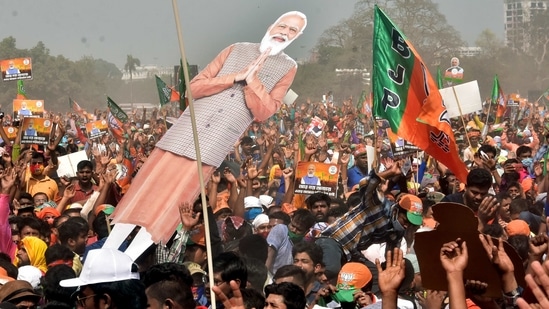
(16, 69)
(468, 95)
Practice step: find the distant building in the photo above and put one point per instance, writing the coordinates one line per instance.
(517, 15)
(469, 51)
(147, 71)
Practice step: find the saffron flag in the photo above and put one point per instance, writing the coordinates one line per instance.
(75, 107)
(21, 94)
(407, 96)
(116, 119)
(165, 94)
(498, 98)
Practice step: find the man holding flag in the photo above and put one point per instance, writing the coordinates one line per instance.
(244, 82)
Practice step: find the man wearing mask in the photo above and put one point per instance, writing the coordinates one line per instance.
(282, 238)
(38, 182)
(246, 81)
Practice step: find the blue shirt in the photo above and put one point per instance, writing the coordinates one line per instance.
(354, 175)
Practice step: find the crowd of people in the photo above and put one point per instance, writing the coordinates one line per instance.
(270, 247)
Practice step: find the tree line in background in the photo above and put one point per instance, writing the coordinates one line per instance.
(347, 45)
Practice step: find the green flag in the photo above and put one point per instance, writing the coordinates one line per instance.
(21, 94)
(440, 84)
(406, 95)
(360, 103)
(164, 93)
(116, 111)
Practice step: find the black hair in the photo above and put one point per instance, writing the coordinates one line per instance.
(257, 273)
(311, 200)
(72, 228)
(52, 290)
(259, 245)
(38, 155)
(128, 294)
(522, 149)
(252, 298)
(32, 222)
(502, 195)
(291, 271)
(167, 271)
(294, 296)
(58, 252)
(179, 293)
(246, 140)
(494, 230)
(61, 217)
(280, 215)
(6, 264)
(304, 218)
(479, 178)
(337, 212)
(26, 195)
(487, 149)
(354, 199)
(100, 225)
(313, 250)
(518, 205)
(339, 202)
(83, 164)
(520, 243)
(231, 267)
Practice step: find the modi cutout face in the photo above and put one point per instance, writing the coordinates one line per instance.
(287, 28)
(455, 62)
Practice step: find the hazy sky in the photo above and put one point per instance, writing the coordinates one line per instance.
(146, 28)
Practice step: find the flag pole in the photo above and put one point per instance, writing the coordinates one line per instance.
(197, 149)
(461, 115)
(486, 127)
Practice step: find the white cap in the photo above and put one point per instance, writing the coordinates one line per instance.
(146, 126)
(30, 274)
(251, 201)
(101, 266)
(266, 200)
(527, 132)
(497, 139)
(260, 219)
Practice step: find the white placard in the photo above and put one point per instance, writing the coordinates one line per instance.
(68, 163)
(371, 154)
(468, 95)
(290, 97)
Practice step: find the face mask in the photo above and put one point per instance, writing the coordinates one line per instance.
(295, 238)
(527, 162)
(396, 224)
(36, 169)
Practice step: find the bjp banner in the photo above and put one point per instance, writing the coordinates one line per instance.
(97, 128)
(16, 69)
(36, 131)
(28, 108)
(316, 177)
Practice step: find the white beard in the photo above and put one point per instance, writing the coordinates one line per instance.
(276, 47)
